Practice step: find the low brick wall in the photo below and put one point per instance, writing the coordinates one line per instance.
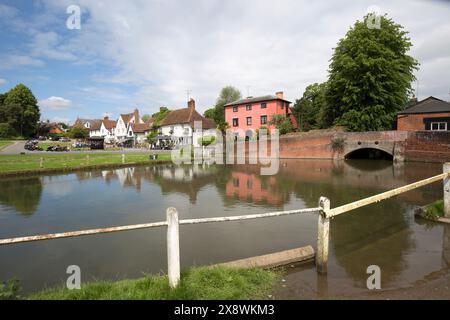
(428, 146)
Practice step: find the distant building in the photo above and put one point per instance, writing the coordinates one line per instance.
(245, 116)
(86, 123)
(428, 114)
(179, 124)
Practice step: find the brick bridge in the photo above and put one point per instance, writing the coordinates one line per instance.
(430, 146)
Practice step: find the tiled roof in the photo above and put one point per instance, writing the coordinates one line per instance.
(189, 116)
(109, 124)
(141, 127)
(255, 99)
(96, 125)
(428, 105)
(126, 117)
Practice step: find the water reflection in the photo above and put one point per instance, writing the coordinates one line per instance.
(385, 234)
(22, 195)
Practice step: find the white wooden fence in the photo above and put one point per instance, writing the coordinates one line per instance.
(324, 209)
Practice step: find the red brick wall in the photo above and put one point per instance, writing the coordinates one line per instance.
(428, 146)
(414, 122)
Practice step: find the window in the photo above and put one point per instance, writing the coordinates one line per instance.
(248, 107)
(438, 126)
(263, 119)
(282, 105)
(249, 121)
(263, 105)
(235, 109)
(235, 122)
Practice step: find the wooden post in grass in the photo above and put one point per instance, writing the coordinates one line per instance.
(87, 159)
(447, 191)
(123, 158)
(173, 247)
(41, 163)
(323, 234)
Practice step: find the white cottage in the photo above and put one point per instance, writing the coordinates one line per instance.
(179, 124)
(121, 131)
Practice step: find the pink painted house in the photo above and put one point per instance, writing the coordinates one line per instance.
(247, 115)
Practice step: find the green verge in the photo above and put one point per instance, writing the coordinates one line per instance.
(5, 143)
(435, 210)
(52, 161)
(217, 283)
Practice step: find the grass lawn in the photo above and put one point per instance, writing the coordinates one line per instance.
(196, 284)
(54, 160)
(5, 143)
(435, 210)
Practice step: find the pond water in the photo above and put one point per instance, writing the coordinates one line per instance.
(386, 234)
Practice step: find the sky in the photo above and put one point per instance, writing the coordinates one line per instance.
(147, 54)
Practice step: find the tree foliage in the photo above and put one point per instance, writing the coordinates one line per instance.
(227, 94)
(282, 123)
(370, 77)
(311, 107)
(78, 132)
(20, 110)
(159, 116)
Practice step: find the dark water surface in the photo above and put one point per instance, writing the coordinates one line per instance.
(385, 234)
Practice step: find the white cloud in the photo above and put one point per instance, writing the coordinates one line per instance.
(47, 44)
(2, 81)
(55, 104)
(15, 61)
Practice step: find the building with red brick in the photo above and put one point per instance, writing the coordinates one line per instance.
(245, 116)
(429, 114)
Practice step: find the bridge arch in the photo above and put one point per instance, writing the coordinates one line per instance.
(371, 152)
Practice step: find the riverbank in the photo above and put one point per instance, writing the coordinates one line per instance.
(218, 283)
(26, 164)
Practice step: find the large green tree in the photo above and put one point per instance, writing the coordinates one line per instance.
(370, 76)
(310, 109)
(217, 113)
(20, 111)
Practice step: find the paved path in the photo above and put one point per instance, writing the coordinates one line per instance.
(15, 148)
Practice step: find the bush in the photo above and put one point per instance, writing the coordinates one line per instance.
(6, 131)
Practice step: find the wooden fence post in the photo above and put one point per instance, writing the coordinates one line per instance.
(447, 191)
(87, 159)
(173, 247)
(123, 158)
(41, 163)
(323, 232)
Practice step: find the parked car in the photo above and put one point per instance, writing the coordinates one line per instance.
(54, 138)
(32, 145)
(64, 139)
(57, 148)
(80, 144)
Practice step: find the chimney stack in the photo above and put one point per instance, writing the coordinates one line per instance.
(191, 104)
(280, 95)
(106, 118)
(136, 116)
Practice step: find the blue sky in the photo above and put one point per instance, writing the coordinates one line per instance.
(147, 54)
